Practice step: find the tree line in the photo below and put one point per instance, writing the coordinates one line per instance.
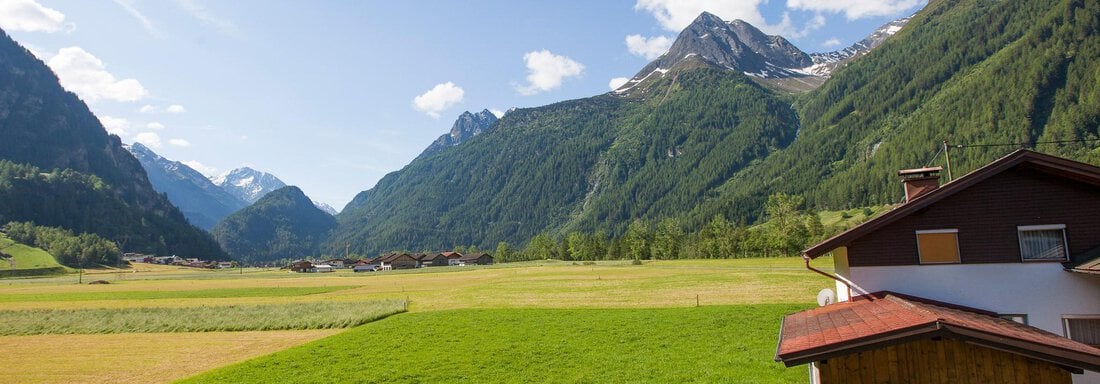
(789, 228)
(69, 249)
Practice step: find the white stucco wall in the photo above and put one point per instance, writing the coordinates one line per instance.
(1043, 291)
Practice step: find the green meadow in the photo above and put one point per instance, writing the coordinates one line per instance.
(547, 321)
(22, 260)
(708, 344)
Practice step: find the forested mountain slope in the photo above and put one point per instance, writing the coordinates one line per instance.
(284, 224)
(64, 169)
(586, 164)
(979, 73)
(699, 139)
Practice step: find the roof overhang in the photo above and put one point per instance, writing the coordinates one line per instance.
(956, 323)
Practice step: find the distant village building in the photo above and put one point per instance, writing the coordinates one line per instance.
(477, 258)
(301, 266)
(322, 268)
(433, 260)
(398, 261)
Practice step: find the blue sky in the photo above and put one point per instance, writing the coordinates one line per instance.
(332, 95)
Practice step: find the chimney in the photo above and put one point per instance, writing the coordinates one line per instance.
(919, 181)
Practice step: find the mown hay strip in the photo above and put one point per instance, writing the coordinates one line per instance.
(265, 317)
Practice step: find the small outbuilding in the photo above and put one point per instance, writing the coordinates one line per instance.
(478, 258)
(301, 266)
(399, 261)
(323, 268)
(433, 260)
(885, 337)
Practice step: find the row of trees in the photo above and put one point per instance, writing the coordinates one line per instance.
(70, 249)
(789, 229)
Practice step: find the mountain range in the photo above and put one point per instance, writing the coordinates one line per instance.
(726, 118)
(62, 169)
(730, 115)
(201, 201)
(206, 201)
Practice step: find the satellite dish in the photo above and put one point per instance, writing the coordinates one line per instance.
(826, 297)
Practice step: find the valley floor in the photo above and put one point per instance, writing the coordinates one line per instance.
(499, 307)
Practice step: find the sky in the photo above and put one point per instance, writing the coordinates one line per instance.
(333, 95)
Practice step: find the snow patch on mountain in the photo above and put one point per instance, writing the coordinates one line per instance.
(248, 184)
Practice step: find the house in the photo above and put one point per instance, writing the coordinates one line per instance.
(453, 258)
(939, 276)
(478, 258)
(398, 261)
(433, 260)
(301, 266)
(335, 263)
(367, 265)
(322, 268)
(226, 264)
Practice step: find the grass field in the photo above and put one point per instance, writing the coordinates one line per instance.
(707, 344)
(556, 311)
(264, 317)
(26, 260)
(137, 358)
(191, 294)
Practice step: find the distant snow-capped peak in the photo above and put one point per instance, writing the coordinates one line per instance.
(248, 184)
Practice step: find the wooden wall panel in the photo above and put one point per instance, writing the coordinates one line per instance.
(944, 361)
(986, 215)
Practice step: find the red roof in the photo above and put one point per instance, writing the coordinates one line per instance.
(1046, 163)
(884, 318)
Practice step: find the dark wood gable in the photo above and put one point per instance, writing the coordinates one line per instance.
(986, 206)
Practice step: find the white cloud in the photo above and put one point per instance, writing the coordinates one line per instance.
(832, 42)
(855, 9)
(440, 97)
(208, 171)
(155, 125)
(85, 75)
(128, 6)
(546, 71)
(29, 16)
(150, 139)
(617, 82)
(675, 15)
(147, 109)
(650, 48)
(175, 108)
(114, 125)
(496, 112)
(179, 142)
(199, 11)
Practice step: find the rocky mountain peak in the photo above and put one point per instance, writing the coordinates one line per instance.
(248, 184)
(735, 45)
(465, 127)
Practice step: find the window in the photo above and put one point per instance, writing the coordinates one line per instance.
(1042, 242)
(939, 246)
(1085, 329)
(1019, 318)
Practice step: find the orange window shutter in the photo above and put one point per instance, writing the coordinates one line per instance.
(938, 248)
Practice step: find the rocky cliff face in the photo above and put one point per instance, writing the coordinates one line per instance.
(467, 126)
